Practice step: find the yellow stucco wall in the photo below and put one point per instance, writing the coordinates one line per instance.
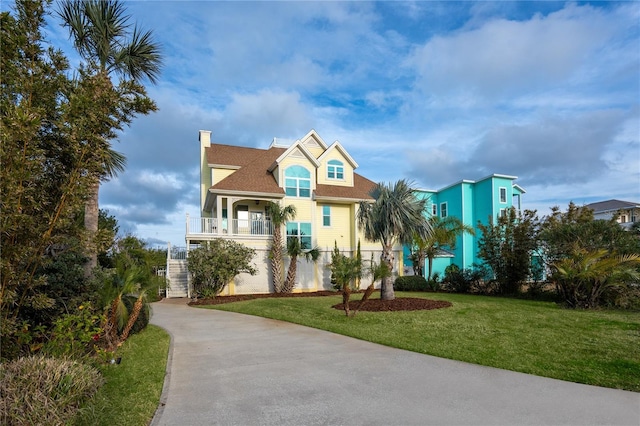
(340, 229)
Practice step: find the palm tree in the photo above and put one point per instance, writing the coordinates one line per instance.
(344, 271)
(444, 235)
(395, 216)
(125, 280)
(108, 43)
(584, 276)
(111, 163)
(378, 271)
(295, 248)
(140, 302)
(279, 215)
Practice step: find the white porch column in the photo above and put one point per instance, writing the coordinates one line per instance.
(186, 256)
(219, 230)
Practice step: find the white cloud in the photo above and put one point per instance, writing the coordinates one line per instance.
(506, 57)
(258, 116)
(431, 91)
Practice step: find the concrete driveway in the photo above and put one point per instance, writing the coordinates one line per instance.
(234, 369)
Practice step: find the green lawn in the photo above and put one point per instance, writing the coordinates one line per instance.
(594, 347)
(132, 390)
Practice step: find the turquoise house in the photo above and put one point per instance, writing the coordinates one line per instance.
(471, 202)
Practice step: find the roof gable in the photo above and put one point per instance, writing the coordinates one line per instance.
(297, 150)
(338, 147)
(313, 140)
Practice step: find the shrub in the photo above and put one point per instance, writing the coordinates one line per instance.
(623, 297)
(471, 280)
(213, 266)
(586, 279)
(410, 283)
(44, 391)
(434, 283)
(74, 334)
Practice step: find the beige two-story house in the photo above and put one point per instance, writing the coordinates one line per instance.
(319, 179)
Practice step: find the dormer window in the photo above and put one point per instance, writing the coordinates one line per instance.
(335, 170)
(297, 182)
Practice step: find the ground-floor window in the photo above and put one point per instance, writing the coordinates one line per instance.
(300, 230)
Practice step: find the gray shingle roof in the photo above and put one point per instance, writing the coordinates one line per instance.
(611, 205)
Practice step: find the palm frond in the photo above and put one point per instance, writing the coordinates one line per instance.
(113, 163)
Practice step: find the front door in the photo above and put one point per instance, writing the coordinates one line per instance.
(242, 213)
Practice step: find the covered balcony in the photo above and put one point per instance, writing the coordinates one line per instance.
(207, 227)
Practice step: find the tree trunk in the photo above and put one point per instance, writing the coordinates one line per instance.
(91, 227)
(430, 267)
(346, 293)
(137, 307)
(386, 286)
(290, 282)
(276, 260)
(365, 297)
(111, 326)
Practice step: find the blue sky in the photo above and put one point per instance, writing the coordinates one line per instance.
(434, 92)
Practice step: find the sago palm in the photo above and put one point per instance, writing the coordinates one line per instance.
(108, 43)
(395, 216)
(279, 216)
(122, 282)
(583, 277)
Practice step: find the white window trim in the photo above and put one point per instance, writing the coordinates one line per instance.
(323, 216)
(446, 209)
(434, 209)
(298, 235)
(505, 194)
(335, 170)
(297, 179)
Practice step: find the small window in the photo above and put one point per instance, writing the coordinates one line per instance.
(434, 209)
(297, 182)
(443, 210)
(503, 212)
(326, 215)
(335, 170)
(503, 195)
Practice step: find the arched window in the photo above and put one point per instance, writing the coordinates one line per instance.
(335, 170)
(297, 182)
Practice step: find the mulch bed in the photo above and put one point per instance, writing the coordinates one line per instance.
(371, 305)
(397, 304)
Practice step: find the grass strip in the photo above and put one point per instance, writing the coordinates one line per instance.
(596, 347)
(132, 390)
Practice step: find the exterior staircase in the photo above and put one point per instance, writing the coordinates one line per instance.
(177, 278)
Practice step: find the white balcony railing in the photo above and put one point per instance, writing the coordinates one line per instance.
(209, 226)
